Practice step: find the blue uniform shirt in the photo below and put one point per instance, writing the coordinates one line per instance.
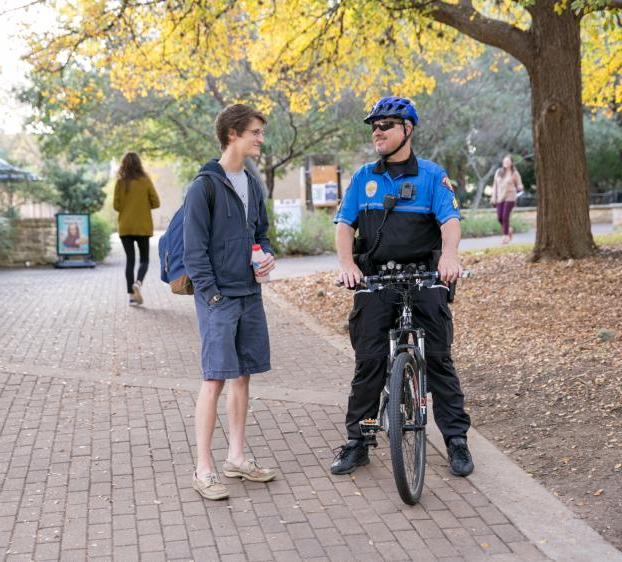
(412, 230)
(432, 193)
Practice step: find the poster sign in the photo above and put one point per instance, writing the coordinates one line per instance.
(73, 234)
(324, 185)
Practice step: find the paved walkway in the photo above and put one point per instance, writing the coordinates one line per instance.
(294, 267)
(97, 446)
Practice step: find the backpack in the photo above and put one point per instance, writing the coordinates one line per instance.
(171, 246)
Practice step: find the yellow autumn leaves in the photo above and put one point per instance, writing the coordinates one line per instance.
(310, 50)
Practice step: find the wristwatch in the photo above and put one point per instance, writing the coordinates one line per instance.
(215, 299)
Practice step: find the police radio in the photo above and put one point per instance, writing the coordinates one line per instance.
(365, 260)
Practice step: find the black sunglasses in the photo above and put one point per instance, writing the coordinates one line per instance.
(385, 125)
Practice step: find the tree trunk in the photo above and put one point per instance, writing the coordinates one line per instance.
(270, 181)
(481, 184)
(268, 171)
(563, 220)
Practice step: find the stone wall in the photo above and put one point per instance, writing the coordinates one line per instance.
(34, 243)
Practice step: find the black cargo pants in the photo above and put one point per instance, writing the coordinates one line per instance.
(372, 316)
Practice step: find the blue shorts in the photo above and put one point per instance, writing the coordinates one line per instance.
(234, 336)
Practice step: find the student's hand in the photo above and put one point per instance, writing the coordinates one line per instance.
(350, 275)
(266, 266)
(449, 268)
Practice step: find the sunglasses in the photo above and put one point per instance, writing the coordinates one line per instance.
(385, 125)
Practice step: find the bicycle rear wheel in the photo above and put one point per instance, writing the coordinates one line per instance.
(407, 433)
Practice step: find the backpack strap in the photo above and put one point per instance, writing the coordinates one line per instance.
(209, 187)
(211, 196)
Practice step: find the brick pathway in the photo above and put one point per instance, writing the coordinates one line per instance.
(97, 443)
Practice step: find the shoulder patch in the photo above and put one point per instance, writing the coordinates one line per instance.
(370, 188)
(455, 203)
(445, 181)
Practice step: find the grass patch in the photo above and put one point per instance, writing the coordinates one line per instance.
(477, 225)
(611, 239)
(501, 250)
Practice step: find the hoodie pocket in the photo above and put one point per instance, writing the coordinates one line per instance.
(236, 261)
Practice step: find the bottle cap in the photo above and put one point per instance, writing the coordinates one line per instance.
(256, 247)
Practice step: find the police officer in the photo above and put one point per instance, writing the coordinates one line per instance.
(422, 227)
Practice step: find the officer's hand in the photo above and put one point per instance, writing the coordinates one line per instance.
(350, 275)
(449, 268)
(266, 265)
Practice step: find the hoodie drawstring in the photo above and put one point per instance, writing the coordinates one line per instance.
(227, 197)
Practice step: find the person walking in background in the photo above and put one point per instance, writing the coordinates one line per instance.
(134, 197)
(505, 189)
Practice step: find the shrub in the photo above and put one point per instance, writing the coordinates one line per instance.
(80, 188)
(275, 231)
(476, 225)
(6, 237)
(100, 238)
(315, 235)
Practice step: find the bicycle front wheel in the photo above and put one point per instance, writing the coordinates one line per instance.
(406, 434)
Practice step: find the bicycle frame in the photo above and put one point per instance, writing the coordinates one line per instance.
(399, 341)
(404, 283)
(403, 407)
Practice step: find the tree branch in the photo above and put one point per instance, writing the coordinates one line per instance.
(469, 21)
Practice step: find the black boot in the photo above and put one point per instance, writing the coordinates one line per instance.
(349, 456)
(460, 461)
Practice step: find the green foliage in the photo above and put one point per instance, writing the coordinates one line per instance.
(476, 225)
(100, 237)
(315, 235)
(159, 126)
(6, 236)
(603, 142)
(80, 188)
(275, 231)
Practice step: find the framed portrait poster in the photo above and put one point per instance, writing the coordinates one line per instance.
(73, 234)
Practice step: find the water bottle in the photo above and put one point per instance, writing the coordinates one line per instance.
(257, 257)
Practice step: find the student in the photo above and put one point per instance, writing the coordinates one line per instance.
(505, 190)
(232, 320)
(134, 197)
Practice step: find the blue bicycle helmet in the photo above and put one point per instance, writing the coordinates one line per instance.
(393, 106)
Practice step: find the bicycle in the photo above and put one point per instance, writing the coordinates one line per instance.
(402, 412)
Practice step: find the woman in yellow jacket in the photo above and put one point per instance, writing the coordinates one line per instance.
(134, 197)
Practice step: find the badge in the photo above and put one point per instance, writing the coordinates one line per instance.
(445, 181)
(370, 188)
(455, 202)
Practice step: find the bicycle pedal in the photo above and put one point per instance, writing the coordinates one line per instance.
(369, 426)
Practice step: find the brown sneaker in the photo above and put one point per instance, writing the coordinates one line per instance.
(250, 470)
(210, 487)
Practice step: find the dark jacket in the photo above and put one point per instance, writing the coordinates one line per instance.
(217, 245)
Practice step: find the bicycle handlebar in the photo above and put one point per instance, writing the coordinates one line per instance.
(400, 277)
